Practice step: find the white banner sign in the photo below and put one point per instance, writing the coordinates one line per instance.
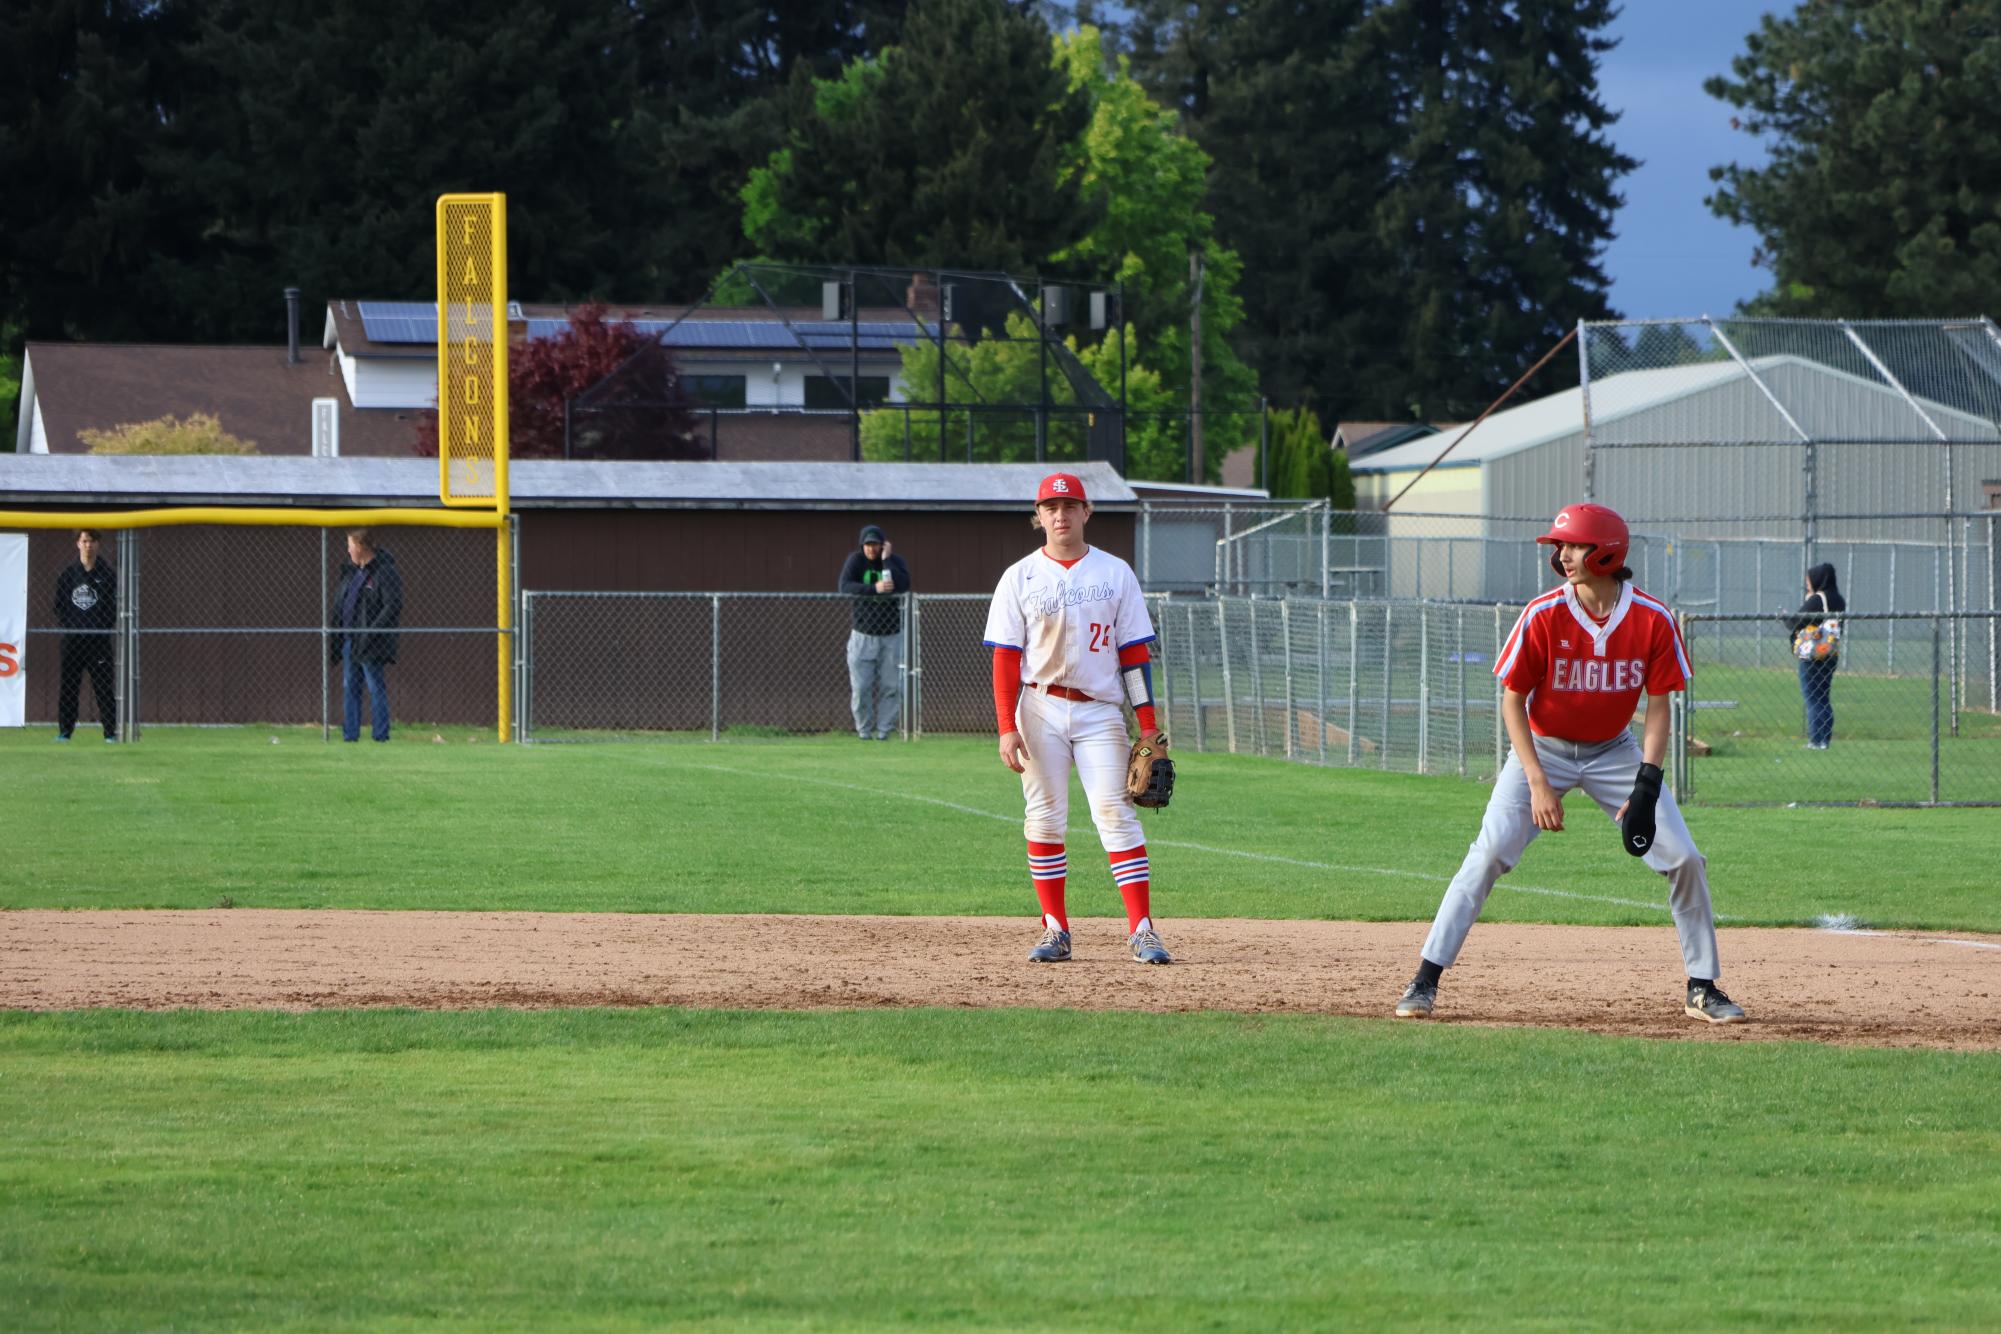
(13, 628)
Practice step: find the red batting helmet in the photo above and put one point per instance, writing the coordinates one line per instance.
(1602, 528)
(1060, 486)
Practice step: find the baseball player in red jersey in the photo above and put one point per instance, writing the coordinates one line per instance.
(1572, 670)
(1069, 632)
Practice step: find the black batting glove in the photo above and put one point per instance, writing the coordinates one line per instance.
(1636, 831)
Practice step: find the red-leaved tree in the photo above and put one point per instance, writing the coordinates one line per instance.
(653, 419)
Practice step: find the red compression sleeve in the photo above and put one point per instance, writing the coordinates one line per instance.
(1007, 687)
(1136, 655)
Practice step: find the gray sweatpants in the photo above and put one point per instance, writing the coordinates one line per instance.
(1605, 770)
(875, 682)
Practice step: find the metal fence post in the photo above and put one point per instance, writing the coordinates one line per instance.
(1229, 693)
(135, 587)
(1354, 675)
(526, 630)
(127, 637)
(1424, 687)
(1459, 645)
(1758, 600)
(1195, 676)
(1891, 668)
(1320, 718)
(520, 634)
(326, 644)
(1285, 635)
(1500, 729)
(913, 668)
(1388, 608)
(1166, 675)
(1258, 683)
(715, 667)
(1935, 675)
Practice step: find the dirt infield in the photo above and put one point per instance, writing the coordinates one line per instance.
(1888, 989)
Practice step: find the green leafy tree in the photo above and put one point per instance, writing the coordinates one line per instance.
(992, 390)
(1152, 179)
(200, 433)
(953, 147)
(1303, 465)
(1882, 195)
(1421, 190)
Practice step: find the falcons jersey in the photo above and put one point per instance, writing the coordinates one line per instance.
(1070, 621)
(1583, 677)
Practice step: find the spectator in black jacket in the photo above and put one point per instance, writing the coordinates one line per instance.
(1823, 600)
(87, 613)
(367, 609)
(877, 581)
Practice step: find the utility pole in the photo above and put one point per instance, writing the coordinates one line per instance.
(1195, 465)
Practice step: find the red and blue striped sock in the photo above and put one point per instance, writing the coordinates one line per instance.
(1049, 867)
(1129, 871)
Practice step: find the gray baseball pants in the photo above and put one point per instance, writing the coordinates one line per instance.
(1605, 770)
(875, 682)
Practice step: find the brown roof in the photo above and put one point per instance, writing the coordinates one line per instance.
(251, 391)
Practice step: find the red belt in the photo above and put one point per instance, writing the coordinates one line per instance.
(1062, 692)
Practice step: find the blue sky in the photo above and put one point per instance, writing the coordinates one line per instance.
(1672, 256)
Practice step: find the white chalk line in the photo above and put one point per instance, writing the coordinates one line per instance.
(1925, 940)
(1204, 847)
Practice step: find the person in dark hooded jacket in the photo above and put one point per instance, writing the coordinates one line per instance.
(877, 581)
(367, 609)
(1823, 599)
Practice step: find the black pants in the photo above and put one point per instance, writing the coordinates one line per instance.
(92, 656)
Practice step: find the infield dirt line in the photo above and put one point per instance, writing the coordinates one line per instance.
(1886, 989)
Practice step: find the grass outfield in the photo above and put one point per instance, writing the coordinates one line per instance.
(190, 819)
(1022, 1168)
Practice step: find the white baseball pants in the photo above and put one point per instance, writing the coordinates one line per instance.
(1605, 770)
(1091, 735)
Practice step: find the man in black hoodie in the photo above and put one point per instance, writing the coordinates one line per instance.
(367, 609)
(87, 611)
(877, 581)
(1823, 601)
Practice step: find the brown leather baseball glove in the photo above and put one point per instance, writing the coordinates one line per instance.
(1149, 773)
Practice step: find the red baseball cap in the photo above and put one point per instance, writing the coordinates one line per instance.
(1060, 486)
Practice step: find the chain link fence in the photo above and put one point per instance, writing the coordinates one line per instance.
(1279, 549)
(1402, 686)
(1914, 712)
(229, 625)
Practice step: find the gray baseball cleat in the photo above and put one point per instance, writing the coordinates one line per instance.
(1418, 1000)
(1148, 949)
(1707, 1002)
(1054, 947)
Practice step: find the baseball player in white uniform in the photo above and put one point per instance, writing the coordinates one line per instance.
(1069, 633)
(1574, 667)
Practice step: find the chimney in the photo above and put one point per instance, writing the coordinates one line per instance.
(922, 296)
(291, 326)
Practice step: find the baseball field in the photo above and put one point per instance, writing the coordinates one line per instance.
(602, 1036)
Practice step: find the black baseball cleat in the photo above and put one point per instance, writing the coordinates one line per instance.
(1054, 947)
(1707, 1002)
(1418, 999)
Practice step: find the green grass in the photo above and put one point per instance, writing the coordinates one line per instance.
(830, 825)
(851, 1170)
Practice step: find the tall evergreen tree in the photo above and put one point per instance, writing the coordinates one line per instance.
(173, 165)
(949, 148)
(1420, 189)
(717, 71)
(1882, 197)
(1500, 195)
(82, 91)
